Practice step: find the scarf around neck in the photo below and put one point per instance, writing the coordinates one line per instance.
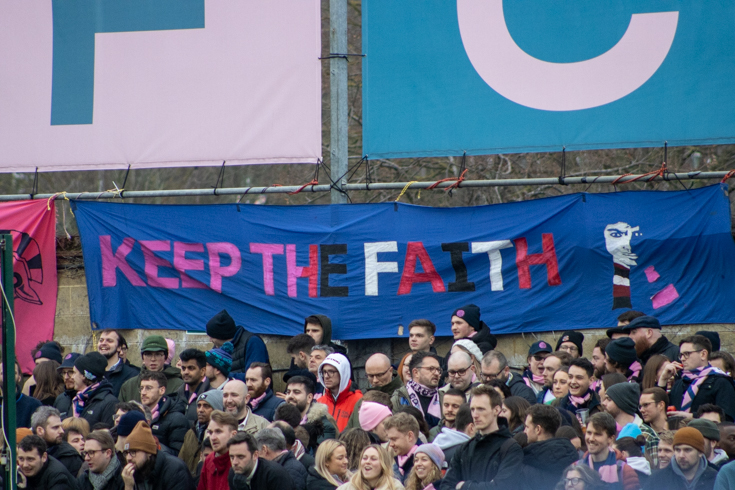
(635, 371)
(609, 469)
(578, 401)
(695, 377)
(415, 390)
(257, 401)
(100, 480)
(83, 397)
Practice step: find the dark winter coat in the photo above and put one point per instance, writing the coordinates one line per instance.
(171, 426)
(518, 387)
(101, 405)
(661, 346)
(268, 476)
(248, 348)
(24, 407)
(593, 404)
(68, 456)
(114, 483)
(544, 463)
(666, 479)
(53, 476)
(315, 481)
(295, 469)
(491, 461)
(169, 473)
(267, 407)
(63, 403)
(307, 460)
(183, 405)
(130, 390)
(716, 389)
(484, 339)
(119, 374)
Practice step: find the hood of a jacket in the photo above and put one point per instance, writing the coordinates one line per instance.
(449, 438)
(316, 412)
(640, 464)
(341, 364)
(62, 450)
(700, 470)
(326, 324)
(550, 454)
(102, 390)
(484, 335)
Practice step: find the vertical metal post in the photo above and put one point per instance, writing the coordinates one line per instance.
(338, 96)
(8, 353)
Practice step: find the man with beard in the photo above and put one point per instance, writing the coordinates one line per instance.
(251, 472)
(104, 470)
(466, 324)
(263, 401)
(117, 372)
(300, 393)
(46, 423)
(66, 370)
(688, 468)
(451, 402)
(546, 456)
(620, 357)
(552, 364)
(40, 471)
(149, 468)
(598, 362)
(422, 390)
(380, 376)
(216, 467)
(571, 342)
(167, 424)
(495, 366)
(646, 333)
(580, 395)
(299, 348)
(533, 376)
(652, 406)
(219, 362)
(193, 366)
(461, 374)
(94, 400)
(235, 399)
(154, 352)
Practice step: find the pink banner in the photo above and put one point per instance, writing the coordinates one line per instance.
(33, 227)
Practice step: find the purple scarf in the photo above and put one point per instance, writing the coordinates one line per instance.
(415, 390)
(83, 397)
(696, 378)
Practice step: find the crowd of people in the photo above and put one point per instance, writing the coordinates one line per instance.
(640, 413)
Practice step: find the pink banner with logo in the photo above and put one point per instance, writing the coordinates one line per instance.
(32, 225)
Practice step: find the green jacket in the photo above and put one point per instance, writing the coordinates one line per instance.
(391, 387)
(130, 390)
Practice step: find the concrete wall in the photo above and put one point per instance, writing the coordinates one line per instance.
(73, 331)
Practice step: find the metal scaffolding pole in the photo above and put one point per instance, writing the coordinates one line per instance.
(398, 186)
(338, 97)
(8, 360)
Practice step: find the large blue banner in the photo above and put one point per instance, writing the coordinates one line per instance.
(574, 261)
(443, 77)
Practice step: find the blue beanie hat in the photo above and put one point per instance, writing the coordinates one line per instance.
(221, 357)
(128, 421)
(50, 351)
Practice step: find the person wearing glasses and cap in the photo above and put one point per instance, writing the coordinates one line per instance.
(533, 375)
(340, 394)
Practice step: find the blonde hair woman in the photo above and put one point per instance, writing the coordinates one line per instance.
(426, 473)
(375, 473)
(330, 468)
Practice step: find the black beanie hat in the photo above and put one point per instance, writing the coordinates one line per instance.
(128, 421)
(470, 314)
(713, 337)
(221, 326)
(51, 351)
(625, 396)
(622, 351)
(575, 338)
(92, 366)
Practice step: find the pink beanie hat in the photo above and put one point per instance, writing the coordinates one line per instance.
(171, 350)
(372, 414)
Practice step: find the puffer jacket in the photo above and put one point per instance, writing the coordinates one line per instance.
(101, 405)
(248, 348)
(130, 390)
(119, 374)
(63, 403)
(545, 461)
(170, 426)
(267, 407)
(342, 408)
(53, 476)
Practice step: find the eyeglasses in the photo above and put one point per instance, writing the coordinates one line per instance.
(68, 373)
(489, 376)
(90, 453)
(572, 482)
(685, 355)
(432, 369)
(538, 358)
(458, 372)
(328, 373)
(379, 375)
(131, 453)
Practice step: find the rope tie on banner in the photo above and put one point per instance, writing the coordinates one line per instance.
(456, 181)
(727, 176)
(660, 172)
(405, 188)
(314, 181)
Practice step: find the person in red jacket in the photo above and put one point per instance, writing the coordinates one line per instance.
(340, 394)
(216, 468)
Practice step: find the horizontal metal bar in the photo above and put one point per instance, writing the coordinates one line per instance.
(236, 191)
